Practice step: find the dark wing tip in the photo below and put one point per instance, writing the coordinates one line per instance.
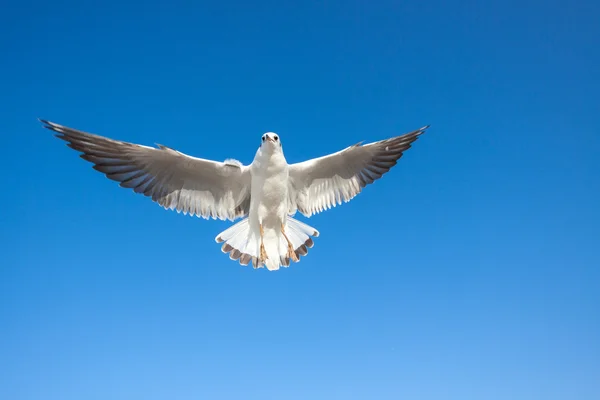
(419, 131)
(49, 125)
(53, 127)
(45, 124)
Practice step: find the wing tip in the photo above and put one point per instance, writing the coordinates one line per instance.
(59, 129)
(47, 123)
(421, 130)
(414, 134)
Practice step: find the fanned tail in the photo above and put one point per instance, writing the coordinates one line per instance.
(243, 244)
(240, 243)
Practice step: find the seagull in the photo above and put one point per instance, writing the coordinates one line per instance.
(266, 193)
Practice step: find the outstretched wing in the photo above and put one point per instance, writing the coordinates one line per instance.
(321, 183)
(174, 180)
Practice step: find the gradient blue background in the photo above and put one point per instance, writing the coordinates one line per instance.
(471, 271)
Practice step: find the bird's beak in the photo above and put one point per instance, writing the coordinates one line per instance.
(270, 140)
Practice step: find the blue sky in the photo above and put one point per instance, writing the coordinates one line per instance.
(470, 271)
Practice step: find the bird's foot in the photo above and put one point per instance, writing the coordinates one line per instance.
(263, 253)
(292, 254)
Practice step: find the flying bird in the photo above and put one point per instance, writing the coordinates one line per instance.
(266, 193)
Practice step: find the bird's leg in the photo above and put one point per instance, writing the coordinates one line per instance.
(263, 253)
(291, 253)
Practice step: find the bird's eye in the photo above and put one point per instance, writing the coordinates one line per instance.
(263, 138)
(276, 138)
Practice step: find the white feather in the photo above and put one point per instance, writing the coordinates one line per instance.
(322, 183)
(267, 192)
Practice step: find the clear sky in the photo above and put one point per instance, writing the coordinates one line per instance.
(470, 271)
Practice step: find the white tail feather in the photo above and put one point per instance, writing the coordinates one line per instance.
(243, 244)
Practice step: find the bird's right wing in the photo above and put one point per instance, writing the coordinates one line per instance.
(174, 180)
(319, 184)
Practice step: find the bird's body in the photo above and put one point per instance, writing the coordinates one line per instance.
(269, 186)
(269, 198)
(267, 193)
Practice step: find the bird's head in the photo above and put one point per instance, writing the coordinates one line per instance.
(270, 141)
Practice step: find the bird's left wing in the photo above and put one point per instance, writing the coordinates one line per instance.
(205, 188)
(321, 183)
